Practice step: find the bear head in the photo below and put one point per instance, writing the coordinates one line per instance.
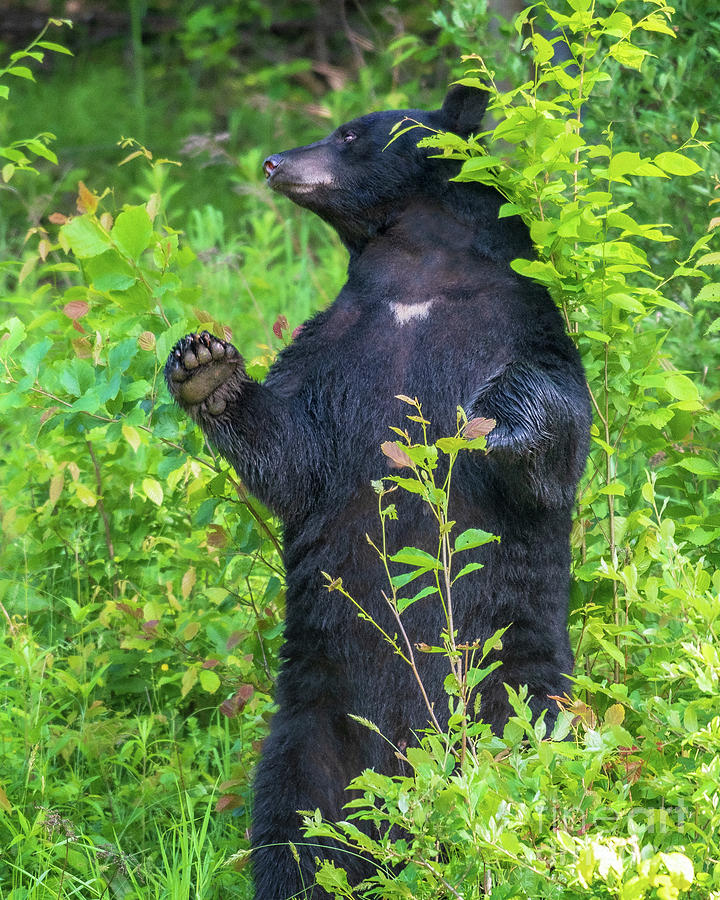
(358, 178)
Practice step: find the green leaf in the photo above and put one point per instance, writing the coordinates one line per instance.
(86, 237)
(189, 680)
(408, 484)
(404, 602)
(709, 293)
(598, 336)
(451, 445)
(656, 22)
(477, 164)
(709, 259)
(132, 231)
(627, 302)
(470, 567)
(20, 72)
(681, 387)
(474, 537)
(677, 164)
(400, 581)
(412, 556)
(629, 55)
(699, 466)
(153, 490)
(478, 673)
(134, 299)
(33, 356)
(630, 163)
(618, 24)
(132, 436)
(58, 48)
(543, 49)
(209, 680)
(14, 337)
(39, 149)
(109, 272)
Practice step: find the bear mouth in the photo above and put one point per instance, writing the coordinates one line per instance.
(283, 186)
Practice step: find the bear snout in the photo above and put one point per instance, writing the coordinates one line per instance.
(271, 163)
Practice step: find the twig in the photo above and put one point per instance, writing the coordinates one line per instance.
(104, 515)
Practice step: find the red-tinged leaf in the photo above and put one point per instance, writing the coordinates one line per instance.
(58, 218)
(150, 625)
(27, 268)
(281, 324)
(217, 536)
(76, 309)
(78, 327)
(226, 786)
(56, 486)
(233, 705)
(397, 456)
(146, 341)
(87, 202)
(210, 663)
(478, 427)
(245, 692)
(188, 582)
(129, 610)
(190, 630)
(82, 348)
(233, 640)
(47, 414)
(130, 156)
(229, 708)
(228, 802)
(297, 331)
(152, 207)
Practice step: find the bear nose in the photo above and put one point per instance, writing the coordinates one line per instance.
(271, 163)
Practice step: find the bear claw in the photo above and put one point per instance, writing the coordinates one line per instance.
(197, 366)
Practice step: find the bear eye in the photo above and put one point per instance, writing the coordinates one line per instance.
(348, 137)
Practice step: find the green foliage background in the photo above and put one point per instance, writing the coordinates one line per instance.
(141, 588)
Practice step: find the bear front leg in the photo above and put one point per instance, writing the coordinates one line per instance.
(539, 444)
(270, 440)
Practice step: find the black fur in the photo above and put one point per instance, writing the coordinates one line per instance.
(430, 309)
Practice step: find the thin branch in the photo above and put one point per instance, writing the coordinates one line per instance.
(103, 513)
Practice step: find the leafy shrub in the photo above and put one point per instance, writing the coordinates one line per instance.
(141, 589)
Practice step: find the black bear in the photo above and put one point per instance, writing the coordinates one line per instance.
(431, 309)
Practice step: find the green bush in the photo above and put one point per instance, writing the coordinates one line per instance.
(141, 591)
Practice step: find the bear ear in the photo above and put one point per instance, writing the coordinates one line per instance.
(463, 109)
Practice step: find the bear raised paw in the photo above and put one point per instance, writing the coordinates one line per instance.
(431, 309)
(200, 372)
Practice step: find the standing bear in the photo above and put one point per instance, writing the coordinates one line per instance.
(430, 309)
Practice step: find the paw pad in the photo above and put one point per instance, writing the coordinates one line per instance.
(198, 365)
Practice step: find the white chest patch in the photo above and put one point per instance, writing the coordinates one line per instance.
(411, 312)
